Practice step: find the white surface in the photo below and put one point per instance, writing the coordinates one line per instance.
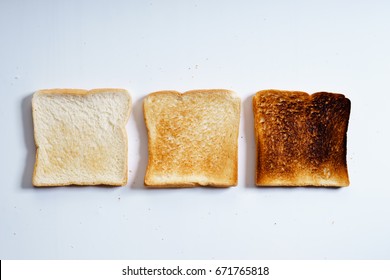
(144, 46)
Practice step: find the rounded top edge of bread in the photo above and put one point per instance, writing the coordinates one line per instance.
(76, 91)
(231, 93)
(334, 94)
(300, 93)
(281, 92)
(82, 92)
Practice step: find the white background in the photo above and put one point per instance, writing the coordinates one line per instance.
(246, 46)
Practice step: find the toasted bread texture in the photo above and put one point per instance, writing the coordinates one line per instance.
(301, 138)
(80, 137)
(193, 138)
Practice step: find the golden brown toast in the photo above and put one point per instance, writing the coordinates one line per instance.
(301, 138)
(193, 138)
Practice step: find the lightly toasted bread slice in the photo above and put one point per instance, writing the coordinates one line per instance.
(301, 138)
(193, 138)
(80, 136)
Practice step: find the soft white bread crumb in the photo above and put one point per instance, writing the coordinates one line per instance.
(80, 136)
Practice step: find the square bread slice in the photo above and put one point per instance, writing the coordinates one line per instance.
(80, 136)
(301, 138)
(193, 138)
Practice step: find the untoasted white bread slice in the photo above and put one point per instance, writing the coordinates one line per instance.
(80, 136)
(192, 138)
(301, 138)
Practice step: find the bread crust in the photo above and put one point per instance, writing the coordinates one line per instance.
(76, 91)
(199, 178)
(301, 138)
(82, 92)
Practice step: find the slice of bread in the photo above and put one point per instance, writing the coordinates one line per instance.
(193, 138)
(301, 138)
(80, 137)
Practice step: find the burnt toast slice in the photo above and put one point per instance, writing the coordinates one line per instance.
(301, 138)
